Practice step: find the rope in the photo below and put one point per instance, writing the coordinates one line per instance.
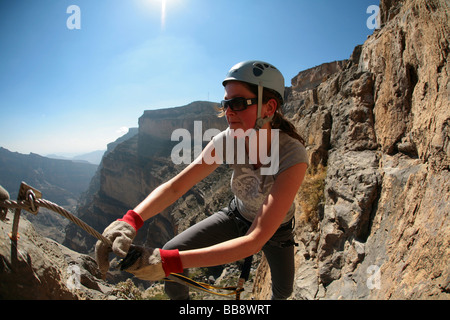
(32, 205)
(175, 277)
(28, 206)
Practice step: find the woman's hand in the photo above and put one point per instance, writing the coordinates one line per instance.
(121, 233)
(153, 264)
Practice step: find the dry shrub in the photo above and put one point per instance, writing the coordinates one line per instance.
(311, 196)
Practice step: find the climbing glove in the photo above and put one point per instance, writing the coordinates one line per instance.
(154, 264)
(121, 233)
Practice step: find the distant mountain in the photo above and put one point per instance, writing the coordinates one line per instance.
(60, 181)
(94, 157)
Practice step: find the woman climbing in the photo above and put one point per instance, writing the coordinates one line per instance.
(269, 162)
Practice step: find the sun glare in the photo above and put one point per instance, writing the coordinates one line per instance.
(154, 7)
(163, 14)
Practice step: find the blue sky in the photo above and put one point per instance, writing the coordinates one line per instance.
(75, 90)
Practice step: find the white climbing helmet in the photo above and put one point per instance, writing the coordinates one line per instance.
(261, 74)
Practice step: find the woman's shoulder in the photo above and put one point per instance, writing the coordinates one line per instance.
(289, 143)
(291, 151)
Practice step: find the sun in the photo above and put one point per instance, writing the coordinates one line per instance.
(163, 14)
(154, 6)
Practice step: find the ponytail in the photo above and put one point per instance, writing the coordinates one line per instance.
(280, 122)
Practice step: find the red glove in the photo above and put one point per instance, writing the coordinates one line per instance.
(171, 261)
(121, 233)
(133, 219)
(154, 264)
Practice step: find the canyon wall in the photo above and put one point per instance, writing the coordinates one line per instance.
(379, 125)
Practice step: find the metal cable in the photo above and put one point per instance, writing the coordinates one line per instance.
(28, 205)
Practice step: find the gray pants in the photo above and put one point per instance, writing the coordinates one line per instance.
(228, 224)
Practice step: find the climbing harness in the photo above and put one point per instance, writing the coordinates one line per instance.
(30, 199)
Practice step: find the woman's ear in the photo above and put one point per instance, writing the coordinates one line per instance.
(271, 107)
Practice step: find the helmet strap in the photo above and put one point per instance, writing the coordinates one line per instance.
(260, 121)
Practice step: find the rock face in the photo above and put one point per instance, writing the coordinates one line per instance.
(37, 268)
(157, 126)
(380, 124)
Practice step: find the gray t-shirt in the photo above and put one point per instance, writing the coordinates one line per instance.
(249, 185)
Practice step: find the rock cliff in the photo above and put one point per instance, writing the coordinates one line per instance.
(379, 125)
(37, 268)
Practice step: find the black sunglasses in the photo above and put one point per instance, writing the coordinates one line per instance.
(238, 104)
